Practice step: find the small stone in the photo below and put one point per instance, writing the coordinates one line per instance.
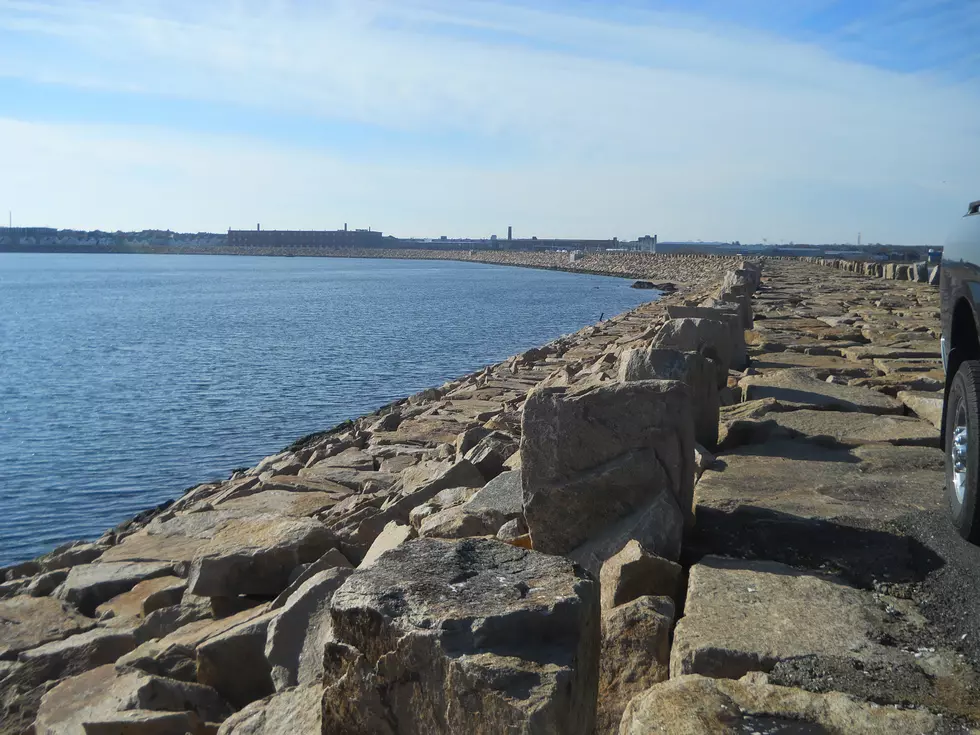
(635, 572)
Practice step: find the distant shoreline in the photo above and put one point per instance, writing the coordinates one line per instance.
(667, 268)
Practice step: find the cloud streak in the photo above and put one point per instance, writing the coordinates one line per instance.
(633, 122)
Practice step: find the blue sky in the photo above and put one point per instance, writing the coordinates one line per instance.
(804, 121)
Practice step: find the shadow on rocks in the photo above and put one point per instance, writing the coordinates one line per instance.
(863, 557)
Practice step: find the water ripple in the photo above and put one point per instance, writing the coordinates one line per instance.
(125, 379)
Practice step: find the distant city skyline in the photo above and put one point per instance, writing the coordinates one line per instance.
(749, 120)
(483, 238)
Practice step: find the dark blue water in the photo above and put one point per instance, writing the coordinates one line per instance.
(125, 379)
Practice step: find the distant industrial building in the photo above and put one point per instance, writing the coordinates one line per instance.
(323, 239)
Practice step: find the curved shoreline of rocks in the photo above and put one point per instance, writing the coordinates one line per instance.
(550, 545)
(670, 269)
(48, 588)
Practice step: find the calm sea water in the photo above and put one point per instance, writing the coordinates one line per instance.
(125, 379)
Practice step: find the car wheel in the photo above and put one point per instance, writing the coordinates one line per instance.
(962, 449)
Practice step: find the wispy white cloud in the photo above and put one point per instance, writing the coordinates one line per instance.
(625, 124)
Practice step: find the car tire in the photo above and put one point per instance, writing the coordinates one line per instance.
(963, 449)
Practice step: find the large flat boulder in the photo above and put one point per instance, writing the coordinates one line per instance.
(872, 352)
(426, 431)
(799, 388)
(596, 458)
(77, 653)
(256, 556)
(89, 585)
(354, 480)
(743, 616)
(177, 539)
(106, 701)
(812, 480)
(352, 458)
(812, 630)
(27, 622)
(849, 428)
(281, 502)
(695, 705)
(821, 364)
(473, 636)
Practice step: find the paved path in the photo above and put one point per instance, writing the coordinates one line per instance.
(828, 493)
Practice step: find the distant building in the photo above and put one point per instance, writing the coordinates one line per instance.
(326, 239)
(647, 243)
(27, 235)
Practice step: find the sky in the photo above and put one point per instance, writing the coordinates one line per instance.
(750, 120)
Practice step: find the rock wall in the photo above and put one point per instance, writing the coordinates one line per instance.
(921, 272)
(550, 545)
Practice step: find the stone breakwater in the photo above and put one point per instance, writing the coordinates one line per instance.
(921, 272)
(681, 520)
(691, 270)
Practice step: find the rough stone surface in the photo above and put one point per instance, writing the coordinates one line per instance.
(858, 428)
(490, 453)
(503, 494)
(697, 705)
(89, 585)
(176, 539)
(743, 616)
(331, 560)
(175, 655)
(296, 639)
(472, 636)
(874, 481)
(729, 315)
(77, 653)
(699, 373)
(257, 555)
(234, 663)
(166, 620)
(592, 459)
(443, 499)
(44, 584)
(801, 389)
(393, 535)
(27, 622)
(71, 555)
(291, 712)
(461, 521)
(144, 598)
(105, 701)
(708, 337)
(635, 655)
(925, 405)
(634, 572)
